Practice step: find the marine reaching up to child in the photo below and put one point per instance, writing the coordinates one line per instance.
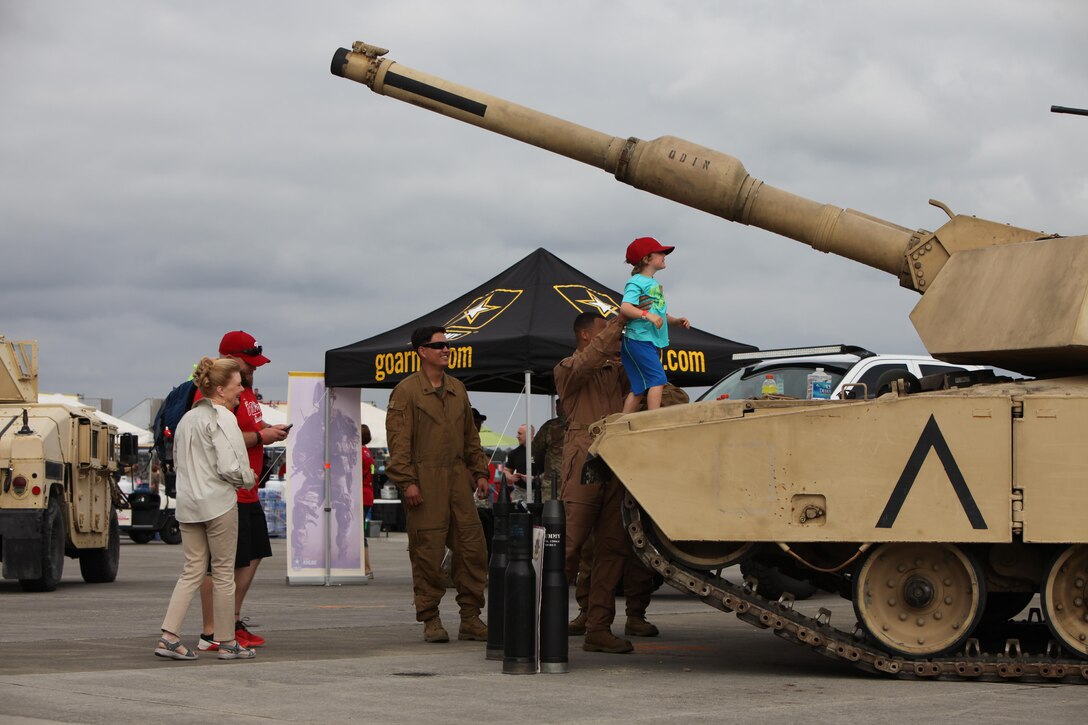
(647, 331)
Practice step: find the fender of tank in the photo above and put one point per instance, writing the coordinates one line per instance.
(937, 513)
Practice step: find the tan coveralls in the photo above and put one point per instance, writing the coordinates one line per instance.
(431, 442)
(592, 385)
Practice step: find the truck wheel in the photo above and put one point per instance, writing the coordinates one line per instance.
(141, 537)
(99, 566)
(171, 533)
(52, 551)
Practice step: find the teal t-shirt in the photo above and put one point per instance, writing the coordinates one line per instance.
(637, 286)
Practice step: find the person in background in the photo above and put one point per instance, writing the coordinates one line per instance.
(365, 437)
(516, 468)
(549, 442)
(478, 419)
(211, 465)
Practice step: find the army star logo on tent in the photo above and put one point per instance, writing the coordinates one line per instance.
(480, 312)
(583, 299)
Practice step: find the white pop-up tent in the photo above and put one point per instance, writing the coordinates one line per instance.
(374, 417)
(369, 414)
(144, 437)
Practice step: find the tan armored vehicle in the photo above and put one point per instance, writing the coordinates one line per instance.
(939, 508)
(56, 481)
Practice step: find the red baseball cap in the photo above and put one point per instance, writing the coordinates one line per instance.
(242, 345)
(638, 249)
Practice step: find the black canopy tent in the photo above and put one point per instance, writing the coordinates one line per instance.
(519, 322)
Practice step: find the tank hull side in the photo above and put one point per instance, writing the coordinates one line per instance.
(895, 469)
(1050, 466)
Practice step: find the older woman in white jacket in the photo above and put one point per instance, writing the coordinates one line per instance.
(212, 463)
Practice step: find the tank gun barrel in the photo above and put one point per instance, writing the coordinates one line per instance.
(1067, 109)
(669, 167)
(986, 285)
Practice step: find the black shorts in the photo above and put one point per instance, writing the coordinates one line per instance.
(253, 540)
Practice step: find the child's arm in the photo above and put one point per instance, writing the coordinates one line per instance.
(681, 321)
(631, 312)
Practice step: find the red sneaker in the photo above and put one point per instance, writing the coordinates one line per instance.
(246, 638)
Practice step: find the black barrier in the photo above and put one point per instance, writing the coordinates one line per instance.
(496, 572)
(554, 596)
(519, 614)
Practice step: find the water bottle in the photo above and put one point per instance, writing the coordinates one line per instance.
(770, 387)
(819, 385)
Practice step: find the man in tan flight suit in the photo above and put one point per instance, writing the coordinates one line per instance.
(432, 440)
(592, 384)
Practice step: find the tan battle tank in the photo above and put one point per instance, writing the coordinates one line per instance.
(940, 508)
(56, 481)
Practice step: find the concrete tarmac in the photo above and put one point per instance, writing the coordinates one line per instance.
(354, 653)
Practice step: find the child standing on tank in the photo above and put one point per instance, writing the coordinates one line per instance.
(647, 332)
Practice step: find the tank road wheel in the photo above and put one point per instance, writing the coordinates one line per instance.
(52, 551)
(99, 566)
(699, 555)
(1065, 598)
(171, 533)
(919, 600)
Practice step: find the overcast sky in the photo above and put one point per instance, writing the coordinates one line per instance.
(174, 170)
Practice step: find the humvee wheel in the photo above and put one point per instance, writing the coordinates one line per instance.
(99, 566)
(141, 537)
(919, 600)
(52, 551)
(1065, 598)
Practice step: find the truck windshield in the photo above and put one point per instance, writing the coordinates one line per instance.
(747, 382)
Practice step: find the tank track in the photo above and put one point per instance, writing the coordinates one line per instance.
(817, 634)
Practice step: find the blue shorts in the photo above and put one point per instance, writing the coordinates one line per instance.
(642, 362)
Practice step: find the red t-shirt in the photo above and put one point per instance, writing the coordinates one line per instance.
(250, 420)
(368, 476)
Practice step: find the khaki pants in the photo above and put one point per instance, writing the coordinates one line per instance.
(218, 539)
(591, 510)
(447, 516)
(638, 582)
(594, 511)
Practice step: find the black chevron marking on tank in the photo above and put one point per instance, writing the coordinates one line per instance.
(435, 94)
(931, 438)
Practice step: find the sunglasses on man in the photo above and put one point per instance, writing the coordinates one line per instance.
(435, 345)
(252, 351)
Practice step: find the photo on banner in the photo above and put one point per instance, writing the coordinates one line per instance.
(308, 539)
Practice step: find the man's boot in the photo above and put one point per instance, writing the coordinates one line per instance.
(602, 640)
(639, 627)
(472, 629)
(433, 631)
(577, 626)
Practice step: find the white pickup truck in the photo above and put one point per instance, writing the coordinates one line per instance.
(854, 371)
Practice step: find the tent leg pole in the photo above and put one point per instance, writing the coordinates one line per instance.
(528, 438)
(328, 486)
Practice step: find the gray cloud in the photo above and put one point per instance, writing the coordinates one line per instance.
(172, 171)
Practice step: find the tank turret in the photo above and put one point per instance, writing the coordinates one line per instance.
(986, 286)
